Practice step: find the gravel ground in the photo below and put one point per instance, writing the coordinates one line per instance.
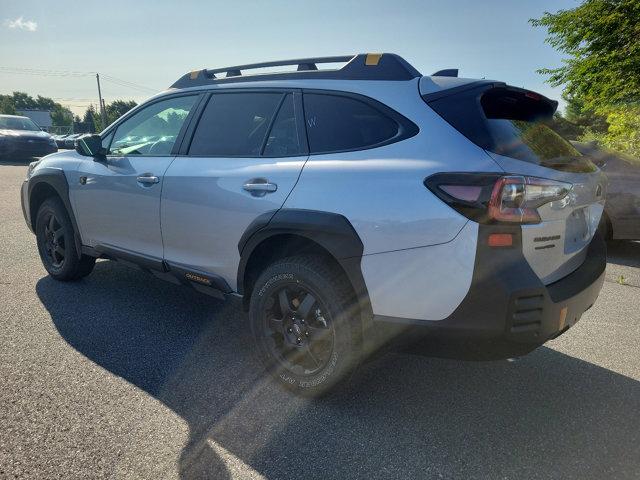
(124, 376)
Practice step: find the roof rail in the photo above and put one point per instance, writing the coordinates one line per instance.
(364, 66)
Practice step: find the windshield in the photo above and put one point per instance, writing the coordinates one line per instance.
(18, 123)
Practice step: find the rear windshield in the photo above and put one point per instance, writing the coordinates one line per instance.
(511, 122)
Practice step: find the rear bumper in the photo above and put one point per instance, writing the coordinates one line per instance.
(507, 311)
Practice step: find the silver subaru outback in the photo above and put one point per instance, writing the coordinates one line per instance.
(345, 208)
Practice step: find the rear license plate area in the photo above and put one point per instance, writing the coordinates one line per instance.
(577, 230)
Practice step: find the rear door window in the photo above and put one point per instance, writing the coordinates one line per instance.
(340, 123)
(235, 124)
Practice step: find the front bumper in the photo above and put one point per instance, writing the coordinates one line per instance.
(508, 311)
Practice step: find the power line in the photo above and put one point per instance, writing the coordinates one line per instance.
(59, 99)
(124, 83)
(42, 72)
(90, 100)
(65, 73)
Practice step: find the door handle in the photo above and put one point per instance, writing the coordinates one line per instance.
(148, 179)
(259, 187)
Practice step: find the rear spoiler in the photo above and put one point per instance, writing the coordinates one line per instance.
(484, 85)
(449, 72)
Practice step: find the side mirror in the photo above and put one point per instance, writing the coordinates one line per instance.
(90, 146)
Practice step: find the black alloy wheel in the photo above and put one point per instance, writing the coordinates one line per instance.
(305, 324)
(56, 239)
(298, 330)
(55, 242)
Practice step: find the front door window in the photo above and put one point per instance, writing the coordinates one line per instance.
(153, 130)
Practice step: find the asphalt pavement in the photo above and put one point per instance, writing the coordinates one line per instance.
(121, 375)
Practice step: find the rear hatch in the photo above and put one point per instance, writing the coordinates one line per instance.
(511, 125)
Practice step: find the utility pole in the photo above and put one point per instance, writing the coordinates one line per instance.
(103, 112)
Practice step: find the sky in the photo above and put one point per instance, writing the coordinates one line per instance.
(142, 46)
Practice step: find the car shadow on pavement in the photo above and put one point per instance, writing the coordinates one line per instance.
(623, 252)
(548, 415)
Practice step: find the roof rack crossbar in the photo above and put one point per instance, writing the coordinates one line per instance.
(302, 62)
(364, 66)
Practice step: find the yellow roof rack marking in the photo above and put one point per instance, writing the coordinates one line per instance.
(372, 58)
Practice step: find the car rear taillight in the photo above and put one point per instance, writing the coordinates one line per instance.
(493, 198)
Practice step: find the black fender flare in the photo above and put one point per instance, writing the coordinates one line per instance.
(331, 231)
(57, 180)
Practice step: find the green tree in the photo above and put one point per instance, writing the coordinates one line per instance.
(623, 132)
(90, 117)
(6, 105)
(60, 116)
(23, 101)
(602, 41)
(118, 108)
(602, 85)
(583, 116)
(89, 114)
(114, 111)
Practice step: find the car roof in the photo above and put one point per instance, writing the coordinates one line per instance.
(385, 76)
(359, 72)
(12, 116)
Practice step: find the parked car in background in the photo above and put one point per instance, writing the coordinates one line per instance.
(621, 218)
(21, 137)
(69, 140)
(59, 139)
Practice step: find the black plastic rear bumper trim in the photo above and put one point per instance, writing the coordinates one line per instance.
(508, 311)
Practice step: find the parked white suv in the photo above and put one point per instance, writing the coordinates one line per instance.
(344, 207)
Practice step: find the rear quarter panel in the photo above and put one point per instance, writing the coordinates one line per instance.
(418, 252)
(381, 190)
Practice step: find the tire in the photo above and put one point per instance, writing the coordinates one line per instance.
(306, 339)
(56, 243)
